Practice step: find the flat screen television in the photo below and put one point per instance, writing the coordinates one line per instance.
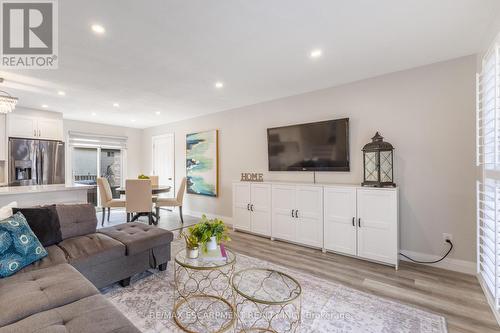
(320, 146)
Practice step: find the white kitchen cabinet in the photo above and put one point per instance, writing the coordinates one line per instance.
(377, 213)
(340, 232)
(298, 214)
(252, 207)
(21, 126)
(32, 127)
(50, 129)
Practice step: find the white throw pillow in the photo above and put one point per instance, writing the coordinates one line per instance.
(6, 211)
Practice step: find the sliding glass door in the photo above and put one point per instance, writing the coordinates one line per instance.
(88, 163)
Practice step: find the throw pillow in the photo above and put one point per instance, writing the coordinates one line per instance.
(19, 246)
(44, 222)
(6, 211)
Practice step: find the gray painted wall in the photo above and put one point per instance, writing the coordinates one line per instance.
(427, 113)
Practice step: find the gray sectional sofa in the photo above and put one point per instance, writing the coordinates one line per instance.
(60, 292)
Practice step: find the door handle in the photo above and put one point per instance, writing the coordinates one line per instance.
(359, 222)
(353, 222)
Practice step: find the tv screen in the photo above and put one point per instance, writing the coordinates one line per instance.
(321, 146)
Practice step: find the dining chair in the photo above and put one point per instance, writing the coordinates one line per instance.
(107, 201)
(138, 198)
(172, 202)
(154, 180)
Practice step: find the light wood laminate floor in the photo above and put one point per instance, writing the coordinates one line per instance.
(454, 295)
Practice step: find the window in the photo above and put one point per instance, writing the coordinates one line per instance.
(488, 188)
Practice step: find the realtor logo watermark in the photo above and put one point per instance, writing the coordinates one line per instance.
(29, 38)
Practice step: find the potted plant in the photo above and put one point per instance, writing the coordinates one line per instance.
(209, 233)
(192, 243)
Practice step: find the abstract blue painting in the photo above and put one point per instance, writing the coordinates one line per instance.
(202, 163)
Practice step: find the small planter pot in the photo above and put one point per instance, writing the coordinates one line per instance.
(212, 244)
(192, 253)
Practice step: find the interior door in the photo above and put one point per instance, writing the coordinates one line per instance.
(309, 215)
(340, 219)
(283, 199)
(377, 225)
(261, 209)
(164, 160)
(241, 206)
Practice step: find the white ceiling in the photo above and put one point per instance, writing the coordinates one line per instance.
(166, 55)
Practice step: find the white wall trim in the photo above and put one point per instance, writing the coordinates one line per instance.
(489, 298)
(457, 265)
(226, 219)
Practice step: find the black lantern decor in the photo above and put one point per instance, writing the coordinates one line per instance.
(378, 163)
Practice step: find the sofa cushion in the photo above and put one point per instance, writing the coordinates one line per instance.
(90, 314)
(28, 293)
(44, 222)
(55, 256)
(19, 246)
(138, 237)
(91, 249)
(76, 220)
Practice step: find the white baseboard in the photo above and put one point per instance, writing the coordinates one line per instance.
(457, 265)
(227, 220)
(489, 298)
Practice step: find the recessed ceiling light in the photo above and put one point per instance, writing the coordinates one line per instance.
(219, 84)
(94, 114)
(132, 120)
(61, 93)
(98, 29)
(116, 105)
(316, 53)
(158, 113)
(45, 106)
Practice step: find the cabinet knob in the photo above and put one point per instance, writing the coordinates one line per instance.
(359, 222)
(248, 206)
(292, 212)
(353, 224)
(296, 213)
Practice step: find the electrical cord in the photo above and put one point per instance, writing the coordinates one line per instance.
(431, 262)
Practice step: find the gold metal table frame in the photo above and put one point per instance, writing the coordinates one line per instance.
(203, 294)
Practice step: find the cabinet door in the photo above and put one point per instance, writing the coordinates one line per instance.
(20, 126)
(340, 219)
(261, 209)
(283, 224)
(241, 204)
(309, 225)
(377, 229)
(3, 139)
(50, 129)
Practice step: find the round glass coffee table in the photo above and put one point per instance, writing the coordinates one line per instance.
(266, 301)
(203, 295)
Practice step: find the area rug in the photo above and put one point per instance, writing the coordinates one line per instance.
(326, 306)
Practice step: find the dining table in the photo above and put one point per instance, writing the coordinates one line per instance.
(155, 190)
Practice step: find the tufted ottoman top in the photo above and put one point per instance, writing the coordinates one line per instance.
(138, 237)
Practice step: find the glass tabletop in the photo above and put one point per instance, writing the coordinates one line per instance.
(266, 286)
(202, 264)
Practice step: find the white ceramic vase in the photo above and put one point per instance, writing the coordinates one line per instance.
(212, 244)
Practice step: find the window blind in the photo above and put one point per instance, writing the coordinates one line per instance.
(80, 139)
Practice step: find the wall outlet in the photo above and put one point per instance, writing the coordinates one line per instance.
(447, 236)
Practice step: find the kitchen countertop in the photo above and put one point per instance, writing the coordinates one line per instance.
(10, 190)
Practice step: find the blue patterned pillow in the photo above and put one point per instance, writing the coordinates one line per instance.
(19, 246)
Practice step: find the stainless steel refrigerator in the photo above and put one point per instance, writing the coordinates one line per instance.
(35, 162)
